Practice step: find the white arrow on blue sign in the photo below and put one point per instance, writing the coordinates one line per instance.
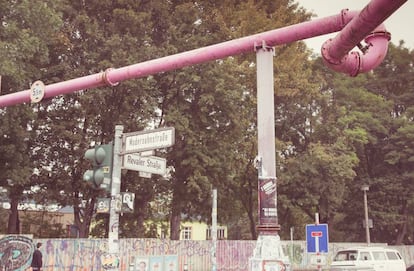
(317, 238)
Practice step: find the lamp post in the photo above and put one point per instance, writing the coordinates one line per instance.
(365, 188)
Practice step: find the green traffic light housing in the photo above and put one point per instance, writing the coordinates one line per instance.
(101, 157)
(94, 176)
(96, 155)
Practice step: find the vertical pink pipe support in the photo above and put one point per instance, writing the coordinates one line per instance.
(365, 25)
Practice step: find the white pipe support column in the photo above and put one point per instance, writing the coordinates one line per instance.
(268, 223)
(268, 252)
(265, 111)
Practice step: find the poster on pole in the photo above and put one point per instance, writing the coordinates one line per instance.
(267, 201)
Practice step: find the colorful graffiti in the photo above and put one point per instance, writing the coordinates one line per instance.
(16, 252)
(109, 261)
(159, 254)
(154, 263)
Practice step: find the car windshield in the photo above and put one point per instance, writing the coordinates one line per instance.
(346, 255)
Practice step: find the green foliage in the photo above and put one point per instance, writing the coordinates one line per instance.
(333, 133)
(26, 33)
(372, 111)
(394, 176)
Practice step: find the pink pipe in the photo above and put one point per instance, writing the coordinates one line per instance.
(334, 51)
(246, 44)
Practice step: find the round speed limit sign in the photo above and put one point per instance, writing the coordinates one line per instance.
(37, 91)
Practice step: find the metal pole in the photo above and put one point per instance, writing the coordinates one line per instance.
(113, 241)
(291, 243)
(365, 188)
(317, 240)
(268, 223)
(214, 231)
(268, 246)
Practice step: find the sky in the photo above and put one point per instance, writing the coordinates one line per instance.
(400, 24)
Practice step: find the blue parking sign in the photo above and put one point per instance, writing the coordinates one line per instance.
(317, 238)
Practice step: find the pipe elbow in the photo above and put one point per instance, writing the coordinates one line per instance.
(377, 43)
(354, 62)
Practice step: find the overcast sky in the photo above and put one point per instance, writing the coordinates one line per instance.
(400, 24)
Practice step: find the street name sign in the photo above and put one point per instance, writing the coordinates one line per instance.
(148, 140)
(317, 238)
(149, 164)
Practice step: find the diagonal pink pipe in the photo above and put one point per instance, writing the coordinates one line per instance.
(365, 25)
(279, 36)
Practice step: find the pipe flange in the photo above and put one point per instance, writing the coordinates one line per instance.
(385, 34)
(325, 53)
(344, 15)
(107, 80)
(356, 60)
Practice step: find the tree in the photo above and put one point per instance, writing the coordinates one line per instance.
(369, 113)
(90, 117)
(25, 31)
(333, 133)
(393, 184)
(237, 148)
(200, 102)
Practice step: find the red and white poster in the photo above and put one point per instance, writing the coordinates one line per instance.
(267, 201)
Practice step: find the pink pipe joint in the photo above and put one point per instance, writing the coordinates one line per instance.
(335, 51)
(354, 62)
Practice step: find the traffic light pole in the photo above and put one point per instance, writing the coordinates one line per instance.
(113, 231)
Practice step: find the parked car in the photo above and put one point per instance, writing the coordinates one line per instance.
(368, 258)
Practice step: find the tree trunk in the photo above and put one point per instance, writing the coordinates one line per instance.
(14, 222)
(251, 209)
(403, 228)
(175, 224)
(141, 212)
(83, 219)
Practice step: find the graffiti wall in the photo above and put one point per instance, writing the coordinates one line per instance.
(149, 254)
(15, 252)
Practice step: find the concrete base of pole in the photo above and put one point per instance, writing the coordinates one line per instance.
(268, 255)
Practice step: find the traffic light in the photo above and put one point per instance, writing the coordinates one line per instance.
(101, 157)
